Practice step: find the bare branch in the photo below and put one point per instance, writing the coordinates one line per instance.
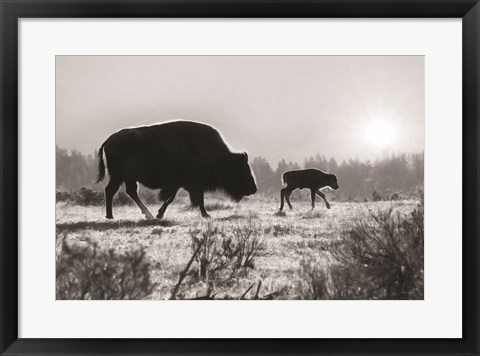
(246, 292)
(184, 272)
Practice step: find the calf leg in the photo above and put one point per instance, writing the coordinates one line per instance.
(110, 191)
(287, 198)
(284, 192)
(197, 199)
(131, 188)
(168, 195)
(312, 196)
(321, 195)
(282, 197)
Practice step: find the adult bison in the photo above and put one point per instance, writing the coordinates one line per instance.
(170, 156)
(312, 179)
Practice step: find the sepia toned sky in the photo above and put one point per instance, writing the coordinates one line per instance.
(278, 107)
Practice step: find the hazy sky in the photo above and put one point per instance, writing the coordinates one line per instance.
(278, 107)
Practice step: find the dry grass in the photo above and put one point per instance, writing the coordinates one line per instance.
(290, 237)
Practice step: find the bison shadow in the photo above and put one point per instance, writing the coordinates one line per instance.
(232, 217)
(112, 225)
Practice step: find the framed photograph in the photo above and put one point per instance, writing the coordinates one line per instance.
(294, 177)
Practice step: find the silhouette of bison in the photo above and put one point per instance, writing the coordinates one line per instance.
(170, 156)
(312, 179)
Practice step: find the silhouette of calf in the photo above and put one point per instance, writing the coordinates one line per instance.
(312, 179)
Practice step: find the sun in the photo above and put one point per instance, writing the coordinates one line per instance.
(379, 133)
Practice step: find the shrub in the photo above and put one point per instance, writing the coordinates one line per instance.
(376, 196)
(86, 272)
(230, 254)
(382, 258)
(87, 196)
(62, 196)
(220, 256)
(378, 258)
(395, 196)
(121, 198)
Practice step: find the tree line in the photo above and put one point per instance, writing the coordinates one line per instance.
(400, 174)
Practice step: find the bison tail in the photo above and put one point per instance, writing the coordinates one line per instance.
(101, 165)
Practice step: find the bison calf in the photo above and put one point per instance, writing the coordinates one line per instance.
(312, 179)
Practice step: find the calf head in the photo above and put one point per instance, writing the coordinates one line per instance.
(332, 181)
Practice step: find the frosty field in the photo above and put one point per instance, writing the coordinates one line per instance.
(287, 241)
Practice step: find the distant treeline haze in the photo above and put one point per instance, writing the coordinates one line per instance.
(401, 174)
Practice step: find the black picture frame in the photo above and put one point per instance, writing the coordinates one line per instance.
(12, 10)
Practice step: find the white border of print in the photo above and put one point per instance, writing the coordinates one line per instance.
(438, 316)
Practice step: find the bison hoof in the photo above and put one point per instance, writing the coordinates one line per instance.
(159, 216)
(148, 216)
(328, 206)
(109, 217)
(205, 215)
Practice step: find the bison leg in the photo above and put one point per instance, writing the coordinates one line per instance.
(312, 196)
(131, 188)
(168, 196)
(284, 194)
(197, 199)
(321, 195)
(110, 191)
